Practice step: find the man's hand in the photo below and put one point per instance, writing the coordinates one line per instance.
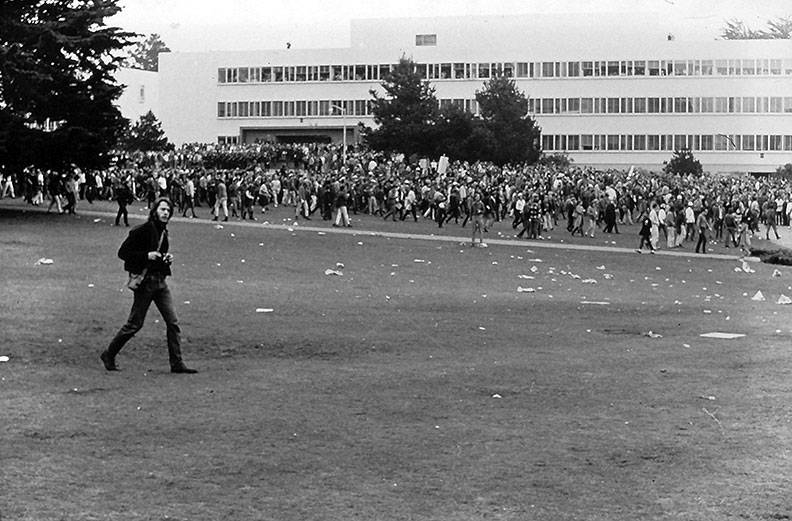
(154, 255)
(167, 258)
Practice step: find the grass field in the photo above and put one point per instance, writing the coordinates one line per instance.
(400, 390)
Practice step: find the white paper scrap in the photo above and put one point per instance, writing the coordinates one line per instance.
(264, 310)
(723, 336)
(758, 297)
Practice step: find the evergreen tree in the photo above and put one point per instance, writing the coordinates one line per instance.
(406, 115)
(146, 135)
(778, 29)
(57, 90)
(145, 54)
(512, 134)
(683, 163)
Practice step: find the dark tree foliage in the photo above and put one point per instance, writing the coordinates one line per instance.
(146, 135)
(683, 163)
(454, 134)
(558, 160)
(785, 171)
(778, 29)
(511, 134)
(406, 115)
(145, 54)
(57, 60)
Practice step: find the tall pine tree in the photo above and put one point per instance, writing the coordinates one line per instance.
(57, 90)
(406, 115)
(511, 133)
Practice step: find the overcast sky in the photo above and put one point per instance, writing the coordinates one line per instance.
(199, 25)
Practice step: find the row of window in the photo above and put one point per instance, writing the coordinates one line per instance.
(677, 105)
(665, 105)
(486, 70)
(696, 142)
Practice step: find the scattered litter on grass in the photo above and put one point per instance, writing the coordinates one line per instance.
(339, 265)
(706, 397)
(601, 267)
(392, 273)
(530, 277)
(218, 226)
(261, 244)
(495, 262)
(588, 281)
(321, 233)
(90, 285)
(290, 229)
(707, 311)
(44, 260)
(240, 282)
(746, 268)
(264, 310)
(187, 302)
(758, 297)
(242, 261)
(329, 271)
(685, 345)
(534, 260)
(776, 273)
(419, 261)
(97, 220)
(4, 358)
(651, 334)
(496, 395)
(783, 299)
(595, 302)
(360, 244)
(534, 269)
(657, 268)
(722, 336)
(232, 235)
(607, 276)
(521, 289)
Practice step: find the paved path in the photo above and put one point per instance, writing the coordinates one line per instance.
(17, 204)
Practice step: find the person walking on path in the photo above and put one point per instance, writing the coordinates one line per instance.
(123, 196)
(703, 227)
(145, 252)
(645, 233)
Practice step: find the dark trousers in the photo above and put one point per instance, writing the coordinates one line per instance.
(702, 242)
(152, 290)
(122, 212)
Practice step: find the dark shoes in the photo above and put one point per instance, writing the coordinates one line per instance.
(182, 369)
(108, 361)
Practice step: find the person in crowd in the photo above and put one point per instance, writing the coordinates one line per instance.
(221, 200)
(477, 211)
(703, 228)
(770, 218)
(189, 197)
(645, 233)
(123, 197)
(342, 201)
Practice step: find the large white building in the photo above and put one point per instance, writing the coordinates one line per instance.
(606, 94)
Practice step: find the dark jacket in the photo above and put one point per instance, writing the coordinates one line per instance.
(134, 250)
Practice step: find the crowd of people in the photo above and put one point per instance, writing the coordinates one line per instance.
(320, 181)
